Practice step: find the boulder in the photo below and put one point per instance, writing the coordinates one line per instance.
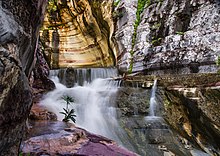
(58, 138)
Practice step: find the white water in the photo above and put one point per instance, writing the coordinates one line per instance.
(94, 103)
(153, 102)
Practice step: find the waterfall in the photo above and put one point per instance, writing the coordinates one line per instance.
(153, 99)
(80, 76)
(93, 101)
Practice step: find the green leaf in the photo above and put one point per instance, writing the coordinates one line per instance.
(62, 113)
(69, 114)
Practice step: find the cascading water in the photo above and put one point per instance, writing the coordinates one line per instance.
(93, 102)
(95, 109)
(152, 99)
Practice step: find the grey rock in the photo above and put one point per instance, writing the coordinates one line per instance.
(189, 32)
(19, 26)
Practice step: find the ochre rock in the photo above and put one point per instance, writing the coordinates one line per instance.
(19, 31)
(79, 34)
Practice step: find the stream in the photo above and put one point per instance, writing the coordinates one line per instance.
(96, 106)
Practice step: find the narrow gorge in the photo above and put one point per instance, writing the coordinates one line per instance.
(110, 77)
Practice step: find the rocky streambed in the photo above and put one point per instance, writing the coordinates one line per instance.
(188, 122)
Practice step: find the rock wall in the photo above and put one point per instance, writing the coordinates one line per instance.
(194, 113)
(79, 34)
(187, 114)
(20, 21)
(172, 37)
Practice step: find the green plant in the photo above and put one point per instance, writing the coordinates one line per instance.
(67, 99)
(142, 4)
(68, 113)
(21, 154)
(156, 26)
(156, 41)
(218, 61)
(180, 33)
(116, 3)
(130, 67)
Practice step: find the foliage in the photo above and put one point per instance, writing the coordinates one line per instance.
(140, 8)
(116, 3)
(52, 8)
(156, 41)
(21, 154)
(180, 33)
(52, 5)
(54, 13)
(130, 67)
(156, 26)
(67, 99)
(68, 113)
(218, 61)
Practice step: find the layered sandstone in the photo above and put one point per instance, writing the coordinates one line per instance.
(79, 34)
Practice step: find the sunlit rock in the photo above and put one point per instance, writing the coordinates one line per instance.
(79, 34)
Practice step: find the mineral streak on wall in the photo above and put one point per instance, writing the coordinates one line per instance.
(79, 34)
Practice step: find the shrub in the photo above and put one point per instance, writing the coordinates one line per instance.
(68, 113)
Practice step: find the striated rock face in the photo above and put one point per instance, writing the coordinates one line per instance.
(189, 105)
(20, 21)
(172, 37)
(194, 113)
(124, 30)
(79, 34)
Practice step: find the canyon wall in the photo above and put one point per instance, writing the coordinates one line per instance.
(19, 31)
(173, 36)
(79, 34)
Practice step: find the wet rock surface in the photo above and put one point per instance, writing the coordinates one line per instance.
(59, 138)
(132, 101)
(189, 107)
(19, 27)
(152, 136)
(144, 135)
(195, 115)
